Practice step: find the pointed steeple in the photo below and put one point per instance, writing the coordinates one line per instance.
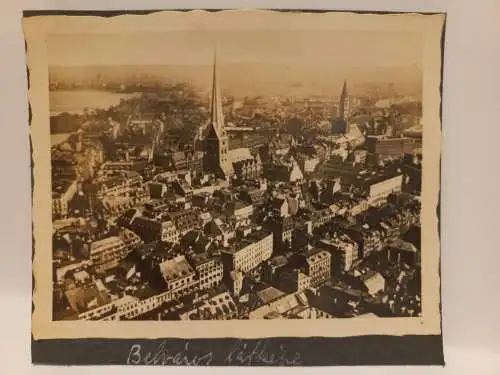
(344, 109)
(344, 93)
(217, 142)
(217, 109)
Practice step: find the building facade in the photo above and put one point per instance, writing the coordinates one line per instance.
(318, 266)
(248, 169)
(169, 232)
(108, 252)
(344, 253)
(218, 307)
(61, 197)
(380, 190)
(249, 252)
(292, 280)
(179, 276)
(208, 270)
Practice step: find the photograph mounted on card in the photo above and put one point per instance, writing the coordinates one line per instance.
(234, 184)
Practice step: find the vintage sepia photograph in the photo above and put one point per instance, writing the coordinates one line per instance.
(219, 168)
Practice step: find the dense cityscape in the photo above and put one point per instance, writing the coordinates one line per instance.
(178, 204)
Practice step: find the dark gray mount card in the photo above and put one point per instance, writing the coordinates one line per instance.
(235, 188)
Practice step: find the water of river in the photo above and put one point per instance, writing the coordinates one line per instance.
(76, 101)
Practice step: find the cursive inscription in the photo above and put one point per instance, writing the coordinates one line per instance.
(161, 356)
(248, 354)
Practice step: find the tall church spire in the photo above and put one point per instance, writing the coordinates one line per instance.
(217, 142)
(344, 103)
(344, 90)
(217, 109)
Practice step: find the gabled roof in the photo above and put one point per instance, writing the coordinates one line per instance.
(278, 202)
(239, 154)
(269, 294)
(82, 299)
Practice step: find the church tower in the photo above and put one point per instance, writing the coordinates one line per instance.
(217, 141)
(340, 125)
(344, 103)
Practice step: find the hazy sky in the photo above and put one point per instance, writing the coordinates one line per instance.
(196, 47)
(274, 60)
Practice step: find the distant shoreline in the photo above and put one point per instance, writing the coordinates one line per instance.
(103, 89)
(75, 101)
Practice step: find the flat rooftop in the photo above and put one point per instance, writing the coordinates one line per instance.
(246, 241)
(176, 268)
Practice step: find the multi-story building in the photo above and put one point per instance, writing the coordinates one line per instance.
(119, 183)
(285, 170)
(181, 161)
(209, 270)
(185, 221)
(344, 253)
(318, 266)
(290, 306)
(127, 307)
(115, 166)
(282, 228)
(62, 193)
(391, 229)
(218, 307)
(157, 208)
(321, 215)
(157, 190)
(239, 209)
(129, 238)
(292, 280)
(179, 276)
(383, 146)
(182, 188)
(169, 232)
(253, 195)
(379, 186)
(358, 206)
(108, 252)
(149, 229)
(272, 267)
(279, 207)
(248, 169)
(249, 252)
(337, 167)
(367, 238)
(220, 231)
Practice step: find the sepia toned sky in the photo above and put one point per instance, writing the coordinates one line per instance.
(196, 47)
(318, 58)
